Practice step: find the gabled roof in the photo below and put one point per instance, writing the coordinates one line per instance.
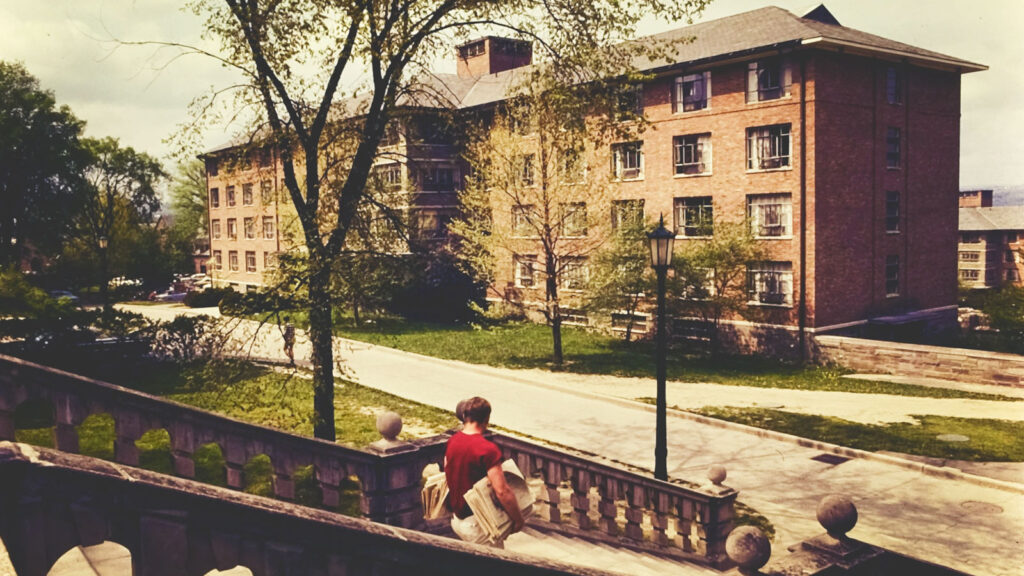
(992, 218)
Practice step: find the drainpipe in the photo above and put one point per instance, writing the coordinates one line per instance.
(802, 312)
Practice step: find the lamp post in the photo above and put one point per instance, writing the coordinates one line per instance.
(661, 240)
(102, 242)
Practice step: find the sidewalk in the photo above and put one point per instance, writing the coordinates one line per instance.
(953, 521)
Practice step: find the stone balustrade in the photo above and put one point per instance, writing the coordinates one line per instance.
(616, 505)
(51, 501)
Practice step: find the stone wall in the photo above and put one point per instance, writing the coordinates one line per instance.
(960, 364)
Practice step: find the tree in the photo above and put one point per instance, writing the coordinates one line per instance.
(191, 217)
(40, 163)
(121, 195)
(293, 55)
(621, 273)
(711, 274)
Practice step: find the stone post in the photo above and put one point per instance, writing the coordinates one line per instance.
(391, 493)
(716, 518)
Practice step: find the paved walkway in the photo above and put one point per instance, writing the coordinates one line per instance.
(956, 521)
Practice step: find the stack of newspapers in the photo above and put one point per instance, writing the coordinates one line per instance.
(435, 492)
(491, 517)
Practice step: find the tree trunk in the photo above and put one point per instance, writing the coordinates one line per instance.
(554, 311)
(355, 312)
(320, 335)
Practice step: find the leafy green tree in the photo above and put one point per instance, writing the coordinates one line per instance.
(325, 163)
(189, 231)
(711, 274)
(121, 198)
(40, 163)
(621, 273)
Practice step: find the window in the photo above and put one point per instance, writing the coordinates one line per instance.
(970, 256)
(771, 215)
(218, 263)
(470, 50)
(264, 158)
(1012, 276)
(436, 178)
(526, 169)
(574, 273)
(575, 317)
(389, 176)
(231, 195)
(770, 283)
(215, 229)
(1009, 256)
(892, 147)
(212, 166)
(524, 270)
(768, 147)
(627, 213)
(630, 103)
(970, 238)
(246, 194)
(573, 218)
(249, 224)
(521, 217)
(269, 260)
(768, 80)
(250, 261)
(233, 261)
(214, 198)
(892, 211)
(628, 160)
(692, 92)
(694, 216)
(571, 165)
(893, 85)
(429, 224)
(621, 322)
(268, 227)
(892, 275)
(232, 229)
(692, 154)
(266, 192)
(970, 274)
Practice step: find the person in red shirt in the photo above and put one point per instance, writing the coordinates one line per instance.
(468, 458)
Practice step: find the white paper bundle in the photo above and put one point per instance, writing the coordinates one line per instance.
(488, 511)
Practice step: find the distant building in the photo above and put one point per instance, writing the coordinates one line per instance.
(991, 249)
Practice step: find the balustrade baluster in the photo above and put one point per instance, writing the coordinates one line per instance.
(127, 429)
(581, 498)
(684, 524)
(634, 512)
(234, 461)
(659, 518)
(66, 437)
(182, 448)
(552, 478)
(608, 488)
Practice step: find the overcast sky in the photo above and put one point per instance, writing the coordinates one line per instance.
(130, 93)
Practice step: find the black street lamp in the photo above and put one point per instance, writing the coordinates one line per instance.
(661, 240)
(102, 243)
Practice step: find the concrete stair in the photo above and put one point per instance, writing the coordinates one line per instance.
(572, 550)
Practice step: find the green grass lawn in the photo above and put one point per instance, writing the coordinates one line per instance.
(528, 345)
(989, 440)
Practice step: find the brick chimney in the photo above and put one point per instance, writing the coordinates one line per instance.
(492, 54)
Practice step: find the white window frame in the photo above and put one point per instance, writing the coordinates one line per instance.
(771, 213)
(770, 283)
(623, 209)
(218, 260)
(684, 209)
(691, 154)
(215, 229)
(233, 260)
(266, 192)
(232, 229)
(769, 79)
(573, 216)
(692, 92)
(522, 263)
(247, 198)
(574, 273)
(268, 227)
(249, 227)
(628, 160)
(640, 322)
(521, 227)
(769, 148)
(250, 261)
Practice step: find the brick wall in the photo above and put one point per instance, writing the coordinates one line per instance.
(877, 356)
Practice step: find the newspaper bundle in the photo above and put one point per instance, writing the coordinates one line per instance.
(435, 492)
(491, 517)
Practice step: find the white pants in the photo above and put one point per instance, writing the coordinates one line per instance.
(469, 530)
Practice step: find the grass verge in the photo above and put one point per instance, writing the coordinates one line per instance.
(989, 440)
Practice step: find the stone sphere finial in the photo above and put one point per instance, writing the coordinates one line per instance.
(716, 474)
(389, 425)
(748, 547)
(837, 515)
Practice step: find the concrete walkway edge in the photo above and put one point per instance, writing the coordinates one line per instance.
(925, 468)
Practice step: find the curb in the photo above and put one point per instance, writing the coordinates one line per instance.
(925, 468)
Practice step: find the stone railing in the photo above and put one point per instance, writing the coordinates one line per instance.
(389, 473)
(51, 502)
(613, 504)
(578, 496)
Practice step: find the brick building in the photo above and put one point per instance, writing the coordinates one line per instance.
(991, 248)
(842, 147)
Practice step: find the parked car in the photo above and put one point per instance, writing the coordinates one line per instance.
(62, 294)
(122, 281)
(170, 296)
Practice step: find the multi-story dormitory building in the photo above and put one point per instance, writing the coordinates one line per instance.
(991, 249)
(840, 146)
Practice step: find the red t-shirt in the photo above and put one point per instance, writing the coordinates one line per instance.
(469, 456)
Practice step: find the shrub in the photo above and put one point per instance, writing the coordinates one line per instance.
(208, 297)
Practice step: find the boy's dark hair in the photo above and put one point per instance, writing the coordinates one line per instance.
(476, 409)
